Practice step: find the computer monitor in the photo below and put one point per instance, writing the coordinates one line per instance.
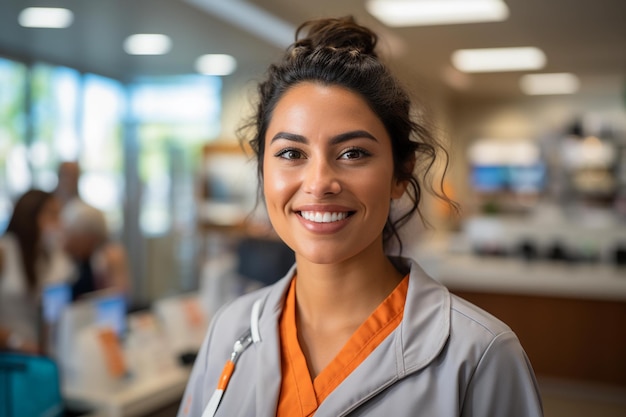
(98, 309)
(54, 299)
(110, 310)
(80, 318)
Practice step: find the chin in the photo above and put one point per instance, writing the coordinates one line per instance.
(324, 256)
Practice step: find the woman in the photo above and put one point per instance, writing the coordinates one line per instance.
(349, 330)
(32, 259)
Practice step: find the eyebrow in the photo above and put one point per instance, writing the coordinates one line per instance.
(342, 137)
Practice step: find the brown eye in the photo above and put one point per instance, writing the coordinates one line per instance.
(354, 153)
(290, 154)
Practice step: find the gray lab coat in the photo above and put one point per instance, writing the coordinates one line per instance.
(447, 358)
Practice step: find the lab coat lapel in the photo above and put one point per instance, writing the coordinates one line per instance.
(418, 340)
(376, 373)
(268, 373)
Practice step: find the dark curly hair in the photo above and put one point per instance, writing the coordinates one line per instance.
(340, 52)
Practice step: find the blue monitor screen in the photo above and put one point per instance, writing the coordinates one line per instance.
(111, 311)
(529, 178)
(488, 178)
(518, 179)
(54, 299)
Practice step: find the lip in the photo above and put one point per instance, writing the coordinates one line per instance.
(324, 228)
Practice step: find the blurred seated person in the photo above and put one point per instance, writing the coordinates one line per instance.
(67, 187)
(99, 263)
(32, 258)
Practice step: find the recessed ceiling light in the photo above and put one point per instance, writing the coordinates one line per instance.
(436, 12)
(544, 84)
(45, 17)
(498, 59)
(216, 64)
(147, 44)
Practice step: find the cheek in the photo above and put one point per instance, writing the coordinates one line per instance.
(377, 190)
(277, 186)
(378, 182)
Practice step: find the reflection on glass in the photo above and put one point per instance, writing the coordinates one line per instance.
(102, 161)
(12, 132)
(174, 117)
(54, 95)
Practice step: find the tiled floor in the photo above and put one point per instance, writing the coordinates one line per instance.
(569, 399)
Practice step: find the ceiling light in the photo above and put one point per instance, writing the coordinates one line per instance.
(543, 84)
(147, 44)
(216, 64)
(498, 59)
(436, 12)
(45, 17)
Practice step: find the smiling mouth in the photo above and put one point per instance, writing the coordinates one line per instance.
(325, 216)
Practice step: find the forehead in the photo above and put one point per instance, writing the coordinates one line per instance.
(309, 92)
(325, 106)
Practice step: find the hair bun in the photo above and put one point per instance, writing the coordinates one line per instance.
(337, 33)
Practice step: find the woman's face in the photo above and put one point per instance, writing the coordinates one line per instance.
(328, 174)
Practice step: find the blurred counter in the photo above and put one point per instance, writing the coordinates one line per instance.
(515, 276)
(156, 396)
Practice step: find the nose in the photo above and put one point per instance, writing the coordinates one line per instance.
(321, 178)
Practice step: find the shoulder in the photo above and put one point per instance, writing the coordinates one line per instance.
(497, 376)
(448, 323)
(8, 243)
(451, 310)
(486, 349)
(11, 271)
(240, 308)
(232, 320)
(4, 251)
(468, 316)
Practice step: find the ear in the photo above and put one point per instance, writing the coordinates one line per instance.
(399, 186)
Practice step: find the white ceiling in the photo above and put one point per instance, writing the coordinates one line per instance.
(585, 37)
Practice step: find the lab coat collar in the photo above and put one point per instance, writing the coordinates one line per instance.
(419, 339)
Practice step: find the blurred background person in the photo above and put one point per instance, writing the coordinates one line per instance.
(67, 187)
(32, 259)
(99, 262)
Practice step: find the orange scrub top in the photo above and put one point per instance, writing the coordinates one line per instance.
(299, 396)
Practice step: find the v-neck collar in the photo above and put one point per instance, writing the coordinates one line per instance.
(370, 334)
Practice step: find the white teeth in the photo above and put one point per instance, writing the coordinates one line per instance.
(323, 217)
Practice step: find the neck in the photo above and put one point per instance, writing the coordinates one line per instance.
(344, 294)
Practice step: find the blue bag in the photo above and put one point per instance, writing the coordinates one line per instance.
(29, 386)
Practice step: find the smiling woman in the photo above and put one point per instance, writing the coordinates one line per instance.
(328, 154)
(350, 330)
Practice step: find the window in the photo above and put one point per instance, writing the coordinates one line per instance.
(174, 117)
(14, 171)
(102, 151)
(55, 94)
